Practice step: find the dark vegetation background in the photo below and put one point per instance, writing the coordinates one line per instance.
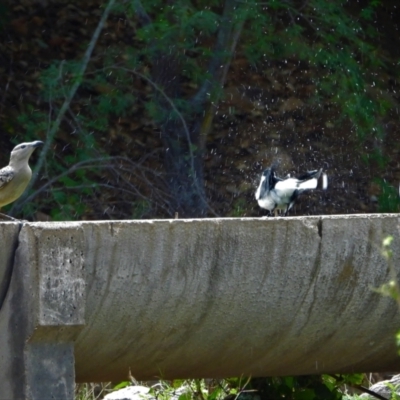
(181, 104)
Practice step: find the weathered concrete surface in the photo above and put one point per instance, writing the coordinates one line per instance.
(203, 298)
(42, 314)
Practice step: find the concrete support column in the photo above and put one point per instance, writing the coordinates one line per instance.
(42, 314)
(50, 371)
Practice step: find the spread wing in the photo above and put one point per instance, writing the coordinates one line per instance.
(6, 175)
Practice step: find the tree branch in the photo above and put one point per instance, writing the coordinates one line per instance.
(185, 128)
(55, 126)
(101, 163)
(219, 54)
(92, 163)
(210, 113)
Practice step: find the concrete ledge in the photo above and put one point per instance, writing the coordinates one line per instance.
(195, 298)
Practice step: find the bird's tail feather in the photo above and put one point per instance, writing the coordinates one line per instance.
(313, 180)
(310, 175)
(324, 181)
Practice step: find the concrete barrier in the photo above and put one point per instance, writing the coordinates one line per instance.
(89, 301)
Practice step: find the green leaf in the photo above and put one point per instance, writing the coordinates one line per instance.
(122, 385)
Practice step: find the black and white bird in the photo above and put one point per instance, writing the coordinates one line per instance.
(275, 194)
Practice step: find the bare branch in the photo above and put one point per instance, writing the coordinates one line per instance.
(101, 163)
(219, 54)
(235, 39)
(87, 164)
(98, 185)
(210, 113)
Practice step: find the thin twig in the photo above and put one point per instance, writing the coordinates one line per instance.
(87, 164)
(100, 163)
(100, 185)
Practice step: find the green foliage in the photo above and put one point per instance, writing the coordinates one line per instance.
(323, 34)
(386, 250)
(122, 385)
(194, 389)
(388, 199)
(66, 202)
(139, 208)
(238, 208)
(310, 387)
(326, 36)
(33, 121)
(347, 379)
(91, 391)
(393, 389)
(389, 289)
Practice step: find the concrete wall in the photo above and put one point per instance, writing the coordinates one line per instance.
(194, 298)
